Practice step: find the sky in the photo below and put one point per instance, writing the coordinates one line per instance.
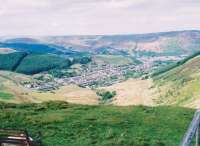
(94, 17)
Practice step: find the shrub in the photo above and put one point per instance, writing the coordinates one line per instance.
(106, 95)
(59, 73)
(82, 60)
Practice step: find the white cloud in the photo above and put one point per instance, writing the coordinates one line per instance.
(65, 17)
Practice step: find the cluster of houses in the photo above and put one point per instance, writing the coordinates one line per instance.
(108, 74)
(42, 86)
(104, 75)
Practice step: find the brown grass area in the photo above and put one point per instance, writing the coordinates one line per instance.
(71, 93)
(133, 92)
(149, 46)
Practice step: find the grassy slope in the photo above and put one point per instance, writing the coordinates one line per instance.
(9, 84)
(180, 85)
(74, 125)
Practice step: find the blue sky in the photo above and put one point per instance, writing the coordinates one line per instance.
(81, 17)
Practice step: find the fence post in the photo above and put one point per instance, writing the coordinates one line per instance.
(192, 131)
(198, 136)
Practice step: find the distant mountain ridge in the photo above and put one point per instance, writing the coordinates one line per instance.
(174, 42)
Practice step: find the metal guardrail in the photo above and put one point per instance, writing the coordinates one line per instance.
(193, 130)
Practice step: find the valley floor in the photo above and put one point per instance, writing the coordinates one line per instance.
(130, 92)
(148, 92)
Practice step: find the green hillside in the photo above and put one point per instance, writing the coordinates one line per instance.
(11, 61)
(63, 124)
(25, 63)
(180, 84)
(37, 63)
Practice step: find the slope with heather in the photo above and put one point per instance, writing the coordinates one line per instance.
(180, 84)
(159, 44)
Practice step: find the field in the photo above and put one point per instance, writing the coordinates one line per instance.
(71, 94)
(112, 59)
(63, 124)
(7, 96)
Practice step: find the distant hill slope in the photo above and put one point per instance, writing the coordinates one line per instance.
(35, 63)
(38, 48)
(31, 63)
(180, 85)
(163, 43)
(11, 61)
